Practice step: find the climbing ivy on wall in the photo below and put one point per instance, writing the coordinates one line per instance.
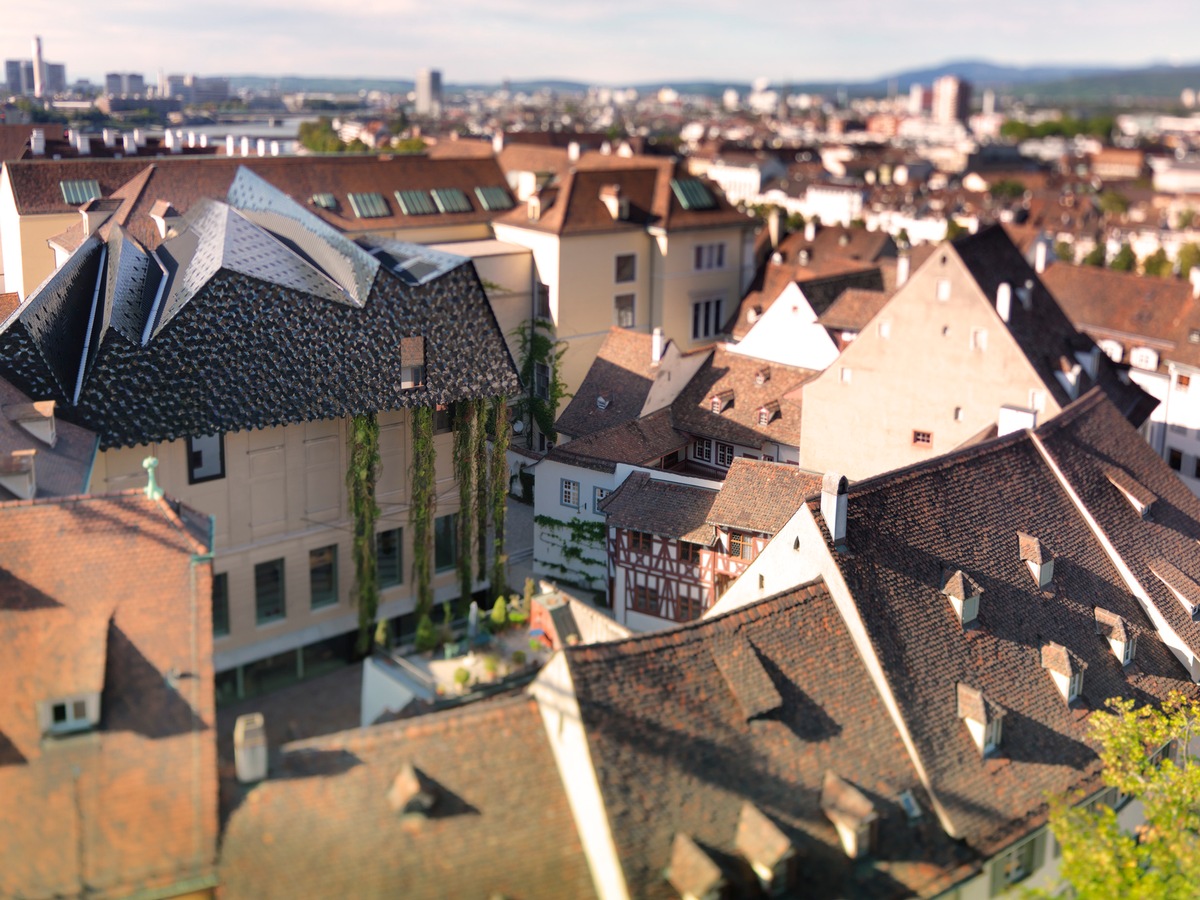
(536, 346)
(574, 539)
(465, 426)
(499, 489)
(479, 453)
(360, 484)
(422, 500)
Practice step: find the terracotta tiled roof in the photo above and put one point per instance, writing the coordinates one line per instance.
(679, 511)
(322, 825)
(623, 373)
(61, 469)
(963, 511)
(638, 442)
(853, 309)
(104, 594)
(675, 751)
(761, 496)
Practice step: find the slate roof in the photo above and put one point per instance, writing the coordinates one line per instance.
(1090, 436)
(296, 322)
(761, 496)
(103, 593)
(738, 423)
(675, 750)
(61, 469)
(965, 511)
(680, 511)
(322, 826)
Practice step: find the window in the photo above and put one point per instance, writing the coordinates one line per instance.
(78, 191)
(1196, 467)
(1182, 382)
(706, 318)
(624, 310)
(389, 557)
(206, 458)
(689, 553)
(991, 734)
(445, 542)
(626, 267)
(688, 609)
(943, 289)
(569, 493)
(740, 545)
(451, 200)
(979, 339)
(845, 375)
(885, 330)
(1175, 459)
(1143, 358)
(1017, 863)
(702, 449)
(493, 198)
(709, 256)
(724, 454)
(958, 414)
(323, 200)
(645, 599)
(542, 300)
(368, 206)
(269, 602)
(412, 376)
(415, 203)
(541, 381)
(322, 576)
(1127, 650)
(692, 193)
(598, 494)
(641, 541)
(443, 419)
(220, 604)
(69, 714)
(1074, 686)
(923, 438)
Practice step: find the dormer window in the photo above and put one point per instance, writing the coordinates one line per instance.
(1121, 638)
(762, 376)
(768, 850)
(66, 715)
(1141, 499)
(768, 413)
(984, 719)
(722, 401)
(693, 872)
(1065, 668)
(852, 814)
(963, 592)
(1039, 559)
(1182, 587)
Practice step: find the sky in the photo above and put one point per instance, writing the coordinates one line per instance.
(615, 42)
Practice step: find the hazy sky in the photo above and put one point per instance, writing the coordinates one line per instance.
(602, 41)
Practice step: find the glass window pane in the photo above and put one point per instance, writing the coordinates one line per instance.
(322, 576)
(389, 557)
(445, 542)
(268, 592)
(220, 604)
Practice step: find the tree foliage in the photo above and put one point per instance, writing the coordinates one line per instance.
(1095, 256)
(1157, 264)
(1124, 261)
(499, 494)
(423, 498)
(537, 348)
(1112, 203)
(1189, 256)
(360, 484)
(1161, 858)
(1007, 189)
(1067, 126)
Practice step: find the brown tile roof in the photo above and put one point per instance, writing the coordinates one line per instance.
(322, 826)
(738, 423)
(638, 442)
(761, 496)
(106, 594)
(679, 511)
(853, 309)
(14, 139)
(674, 750)
(964, 511)
(61, 469)
(623, 373)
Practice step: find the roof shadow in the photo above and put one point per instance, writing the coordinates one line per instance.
(9, 754)
(18, 595)
(139, 698)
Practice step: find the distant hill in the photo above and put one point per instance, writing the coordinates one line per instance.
(1156, 82)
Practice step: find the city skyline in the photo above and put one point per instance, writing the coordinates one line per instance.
(625, 42)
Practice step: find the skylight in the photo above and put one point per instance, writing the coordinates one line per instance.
(368, 206)
(494, 199)
(325, 201)
(692, 193)
(79, 191)
(415, 203)
(451, 200)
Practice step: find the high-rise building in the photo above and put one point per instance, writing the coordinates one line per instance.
(429, 92)
(124, 84)
(951, 100)
(56, 78)
(39, 71)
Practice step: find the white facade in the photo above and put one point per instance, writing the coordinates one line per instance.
(788, 333)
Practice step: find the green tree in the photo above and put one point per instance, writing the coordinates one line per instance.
(954, 230)
(1112, 203)
(1007, 189)
(1064, 251)
(1142, 750)
(1189, 255)
(1124, 261)
(1157, 264)
(360, 484)
(1095, 256)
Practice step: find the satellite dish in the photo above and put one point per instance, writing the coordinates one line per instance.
(518, 427)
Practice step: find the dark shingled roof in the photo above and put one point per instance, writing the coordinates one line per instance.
(61, 470)
(623, 372)
(674, 750)
(761, 496)
(288, 329)
(322, 825)
(637, 442)
(854, 309)
(662, 507)
(104, 594)
(963, 511)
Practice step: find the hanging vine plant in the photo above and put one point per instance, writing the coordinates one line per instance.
(422, 500)
(464, 473)
(539, 356)
(360, 484)
(499, 488)
(479, 414)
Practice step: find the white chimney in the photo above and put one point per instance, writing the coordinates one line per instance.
(1039, 256)
(204, 140)
(191, 139)
(250, 748)
(497, 141)
(245, 146)
(37, 141)
(1004, 301)
(171, 141)
(139, 137)
(1194, 278)
(129, 143)
(834, 498)
(274, 148)
(534, 207)
(573, 151)
(656, 346)
(39, 69)
(230, 145)
(261, 147)
(617, 206)
(810, 230)
(110, 137)
(775, 225)
(903, 264)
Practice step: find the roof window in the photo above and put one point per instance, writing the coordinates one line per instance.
(692, 872)
(78, 191)
(1035, 555)
(768, 850)
(1141, 499)
(324, 201)
(493, 199)
(1121, 638)
(740, 666)
(415, 203)
(963, 592)
(768, 413)
(692, 194)
(67, 715)
(1065, 668)
(983, 717)
(368, 206)
(451, 200)
(721, 401)
(1182, 586)
(851, 812)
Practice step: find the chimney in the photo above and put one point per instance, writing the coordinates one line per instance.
(230, 145)
(656, 346)
(1004, 301)
(261, 147)
(129, 144)
(110, 138)
(412, 796)
(810, 230)
(775, 225)
(37, 141)
(250, 748)
(573, 151)
(173, 140)
(1194, 278)
(497, 141)
(17, 474)
(1039, 256)
(204, 140)
(274, 147)
(39, 73)
(834, 497)
(153, 491)
(245, 146)
(35, 418)
(533, 206)
(1025, 294)
(83, 144)
(617, 206)
(903, 264)
(139, 137)
(94, 215)
(165, 217)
